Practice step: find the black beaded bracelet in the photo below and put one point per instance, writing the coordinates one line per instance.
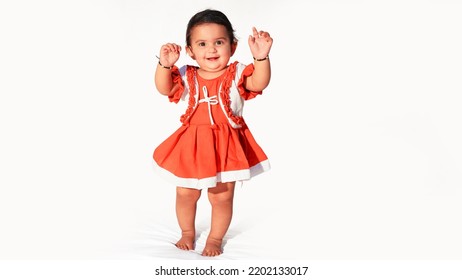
(261, 59)
(165, 67)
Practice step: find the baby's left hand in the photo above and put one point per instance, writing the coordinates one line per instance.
(260, 43)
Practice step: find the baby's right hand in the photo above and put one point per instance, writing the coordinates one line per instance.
(169, 54)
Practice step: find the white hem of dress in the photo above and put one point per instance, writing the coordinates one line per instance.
(210, 182)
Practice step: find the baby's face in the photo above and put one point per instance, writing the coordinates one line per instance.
(211, 47)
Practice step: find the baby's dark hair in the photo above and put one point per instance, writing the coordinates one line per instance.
(210, 16)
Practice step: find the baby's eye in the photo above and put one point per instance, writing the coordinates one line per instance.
(219, 42)
(202, 44)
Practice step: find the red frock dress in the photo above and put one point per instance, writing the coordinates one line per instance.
(214, 144)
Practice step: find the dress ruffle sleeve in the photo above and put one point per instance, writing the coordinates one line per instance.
(177, 81)
(245, 93)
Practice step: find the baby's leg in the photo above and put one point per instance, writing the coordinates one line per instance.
(221, 199)
(186, 202)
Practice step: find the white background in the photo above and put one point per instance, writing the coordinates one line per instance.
(361, 122)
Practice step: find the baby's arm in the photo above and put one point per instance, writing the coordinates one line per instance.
(260, 45)
(169, 54)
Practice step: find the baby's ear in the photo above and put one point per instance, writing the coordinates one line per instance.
(189, 52)
(233, 48)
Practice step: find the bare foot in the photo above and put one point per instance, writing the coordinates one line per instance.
(212, 247)
(186, 242)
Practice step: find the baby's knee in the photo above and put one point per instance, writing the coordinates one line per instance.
(220, 198)
(223, 193)
(188, 194)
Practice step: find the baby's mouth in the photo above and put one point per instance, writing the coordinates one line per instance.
(212, 58)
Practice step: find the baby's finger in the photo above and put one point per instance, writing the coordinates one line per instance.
(172, 47)
(251, 39)
(177, 48)
(264, 34)
(255, 32)
(166, 48)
